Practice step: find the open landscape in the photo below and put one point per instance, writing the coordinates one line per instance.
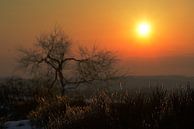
(97, 64)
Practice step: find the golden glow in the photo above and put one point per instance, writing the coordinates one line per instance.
(144, 29)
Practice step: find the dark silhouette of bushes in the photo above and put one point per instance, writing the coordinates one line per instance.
(18, 97)
(156, 108)
(159, 109)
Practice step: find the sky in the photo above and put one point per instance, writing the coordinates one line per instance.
(109, 24)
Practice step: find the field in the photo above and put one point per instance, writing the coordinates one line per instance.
(166, 102)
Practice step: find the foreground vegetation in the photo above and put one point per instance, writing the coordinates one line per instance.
(157, 109)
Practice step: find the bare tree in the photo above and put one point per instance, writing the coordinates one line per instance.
(51, 54)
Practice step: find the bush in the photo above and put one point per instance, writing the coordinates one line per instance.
(48, 109)
(159, 109)
(18, 97)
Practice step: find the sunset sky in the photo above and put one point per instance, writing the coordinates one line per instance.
(112, 24)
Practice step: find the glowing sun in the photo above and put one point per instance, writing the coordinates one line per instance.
(144, 29)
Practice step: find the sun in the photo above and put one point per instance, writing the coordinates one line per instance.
(144, 29)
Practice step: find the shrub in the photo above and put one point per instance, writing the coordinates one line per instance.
(47, 109)
(159, 109)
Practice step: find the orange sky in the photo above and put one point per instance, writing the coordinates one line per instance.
(109, 23)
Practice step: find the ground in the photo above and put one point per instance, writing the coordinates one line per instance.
(22, 124)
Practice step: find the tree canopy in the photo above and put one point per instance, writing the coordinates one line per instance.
(51, 55)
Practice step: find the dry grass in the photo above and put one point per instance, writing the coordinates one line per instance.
(159, 109)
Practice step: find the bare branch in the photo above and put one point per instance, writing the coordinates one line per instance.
(51, 54)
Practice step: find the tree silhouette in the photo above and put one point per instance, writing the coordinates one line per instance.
(52, 55)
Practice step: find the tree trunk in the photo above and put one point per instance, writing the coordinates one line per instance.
(61, 79)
